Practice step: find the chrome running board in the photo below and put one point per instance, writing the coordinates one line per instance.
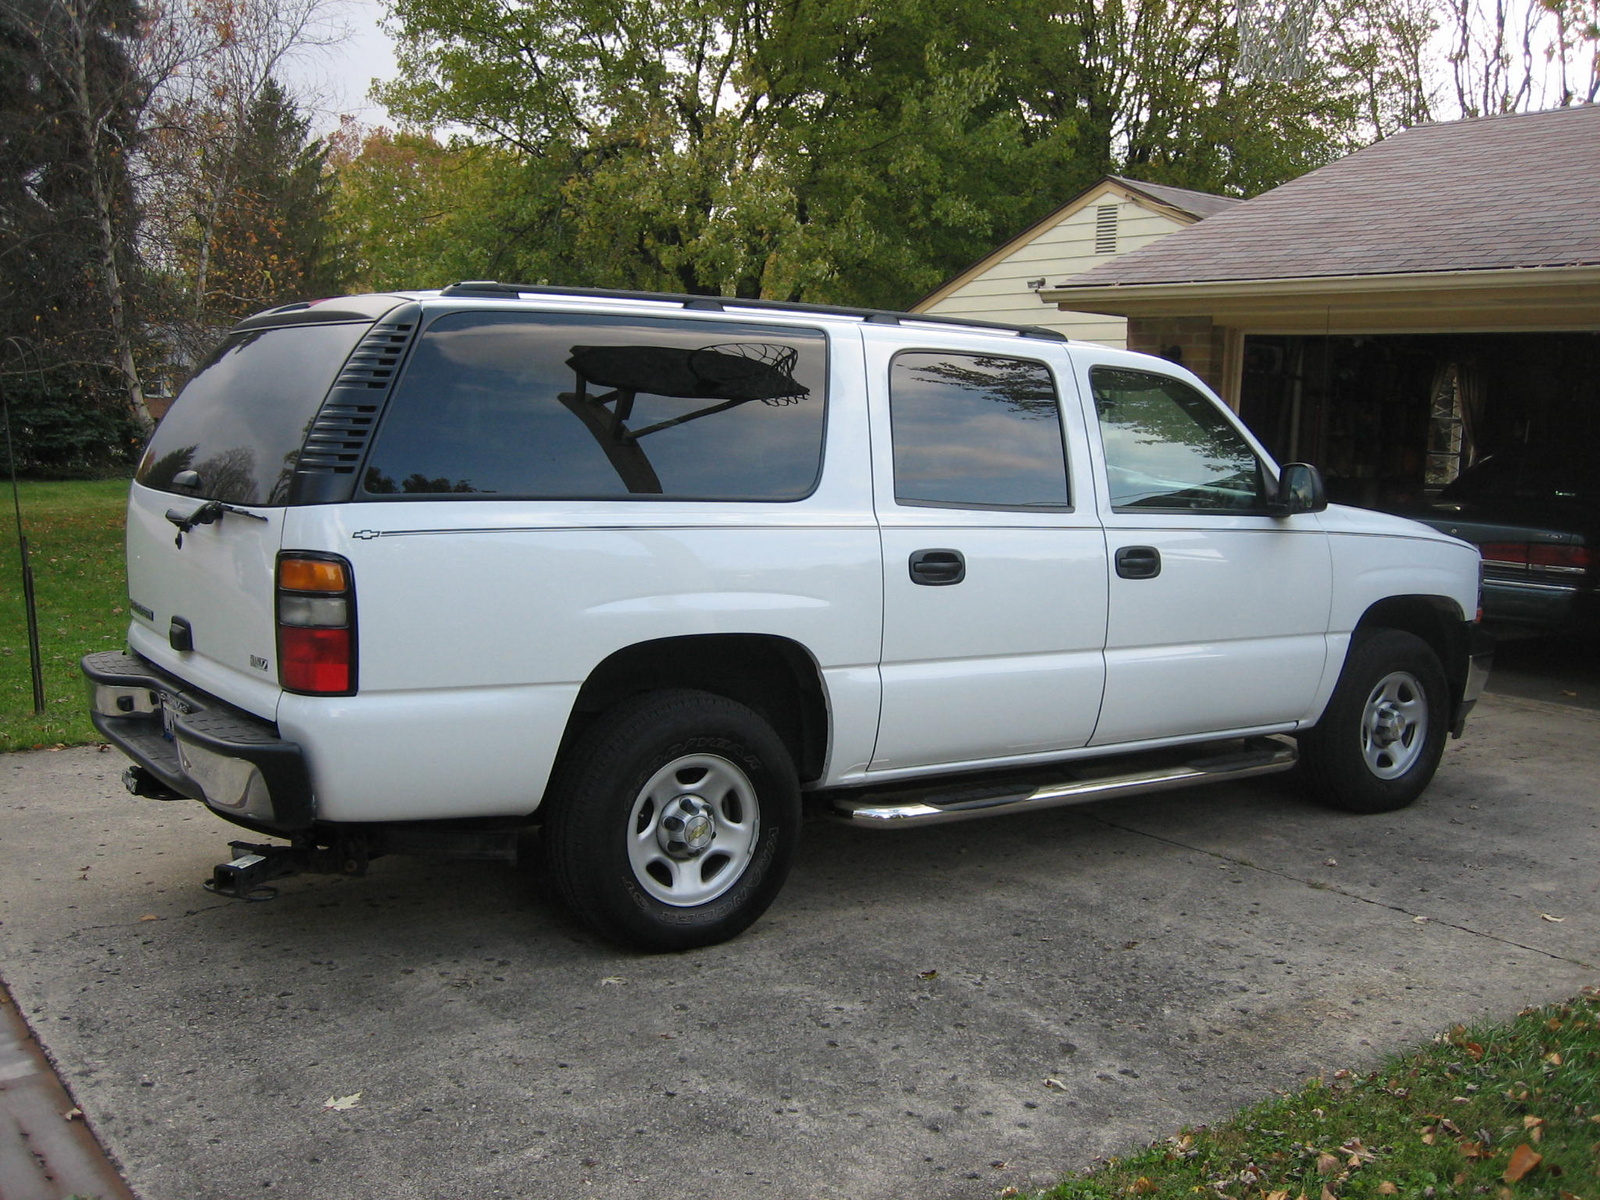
(919, 804)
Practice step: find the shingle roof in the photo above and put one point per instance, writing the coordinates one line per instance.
(1197, 204)
(1521, 190)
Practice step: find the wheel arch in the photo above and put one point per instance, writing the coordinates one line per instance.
(1437, 620)
(775, 677)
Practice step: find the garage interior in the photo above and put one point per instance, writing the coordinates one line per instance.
(1391, 419)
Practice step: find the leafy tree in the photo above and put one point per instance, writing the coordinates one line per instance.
(417, 213)
(225, 148)
(69, 103)
(841, 151)
(271, 239)
(718, 146)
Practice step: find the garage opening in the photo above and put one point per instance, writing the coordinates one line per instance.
(1391, 419)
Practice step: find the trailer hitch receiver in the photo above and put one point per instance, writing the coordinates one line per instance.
(248, 874)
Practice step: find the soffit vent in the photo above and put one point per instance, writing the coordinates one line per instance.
(1105, 229)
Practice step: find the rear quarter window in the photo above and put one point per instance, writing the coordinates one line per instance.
(574, 406)
(241, 421)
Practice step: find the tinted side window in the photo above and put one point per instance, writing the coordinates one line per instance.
(975, 431)
(1167, 446)
(242, 419)
(577, 406)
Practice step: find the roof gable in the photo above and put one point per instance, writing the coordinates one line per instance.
(1182, 206)
(1521, 190)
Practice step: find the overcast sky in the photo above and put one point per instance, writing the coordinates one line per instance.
(335, 79)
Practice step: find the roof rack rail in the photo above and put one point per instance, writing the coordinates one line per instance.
(876, 316)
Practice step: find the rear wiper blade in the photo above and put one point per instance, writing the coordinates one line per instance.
(208, 512)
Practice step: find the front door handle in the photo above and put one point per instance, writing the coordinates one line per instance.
(938, 568)
(1138, 562)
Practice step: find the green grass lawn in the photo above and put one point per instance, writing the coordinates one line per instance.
(1506, 1111)
(74, 533)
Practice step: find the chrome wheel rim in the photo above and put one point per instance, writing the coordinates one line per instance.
(1394, 725)
(692, 830)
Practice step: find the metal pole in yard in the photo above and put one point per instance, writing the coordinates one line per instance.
(34, 661)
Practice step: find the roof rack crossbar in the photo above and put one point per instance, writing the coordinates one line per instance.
(489, 287)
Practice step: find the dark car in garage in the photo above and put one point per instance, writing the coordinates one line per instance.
(1534, 513)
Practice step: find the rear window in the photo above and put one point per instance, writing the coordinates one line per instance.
(574, 406)
(240, 422)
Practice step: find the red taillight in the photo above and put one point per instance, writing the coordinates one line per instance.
(1510, 553)
(314, 660)
(1538, 556)
(316, 625)
(1568, 558)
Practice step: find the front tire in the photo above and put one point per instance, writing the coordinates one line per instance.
(1380, 739)
(675, 823)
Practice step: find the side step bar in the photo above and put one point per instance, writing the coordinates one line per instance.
(921, 805)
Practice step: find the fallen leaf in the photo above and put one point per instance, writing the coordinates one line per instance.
(1471, 1149)
(1553, 1058)
(1330, 862)
(1055, 1085)
(1523, 1159)
(1142, 1186)
(1007, 1193)
(1327, 1163)
(612, 981)
(1327, 1193)
(72, 1114)
(1548, 917)
(927, 974)
(342, 1103)
(1419, 920)
(1387, 1188)
(149, 917)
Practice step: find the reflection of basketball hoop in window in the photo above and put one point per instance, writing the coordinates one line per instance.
(728, 374)
(1273, 36)
(772, 365)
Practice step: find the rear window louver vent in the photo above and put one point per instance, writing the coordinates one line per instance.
(337, 440)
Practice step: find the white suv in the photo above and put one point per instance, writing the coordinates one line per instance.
(412, 571)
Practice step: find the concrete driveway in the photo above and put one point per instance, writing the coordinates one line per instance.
(888, 1030)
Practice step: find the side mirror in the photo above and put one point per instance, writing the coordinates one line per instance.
(1299, 491)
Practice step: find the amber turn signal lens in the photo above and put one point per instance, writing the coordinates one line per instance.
(311, 575)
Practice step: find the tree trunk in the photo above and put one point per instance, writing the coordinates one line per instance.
(91, 123)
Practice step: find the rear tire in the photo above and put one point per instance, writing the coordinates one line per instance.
(1380, 739)
(675, 821)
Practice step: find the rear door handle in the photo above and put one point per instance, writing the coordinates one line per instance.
(938, 568)
(1138, 562)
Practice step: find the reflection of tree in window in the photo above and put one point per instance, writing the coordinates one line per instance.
(416, 484)
(230, 476)
(731, 373)
(974, 430)
(291, 459)
(1022, 386)
(1166, 447)
(164, 470)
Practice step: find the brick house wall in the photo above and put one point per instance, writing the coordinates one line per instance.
(1192, 341)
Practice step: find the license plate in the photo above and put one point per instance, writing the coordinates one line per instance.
(169, 714)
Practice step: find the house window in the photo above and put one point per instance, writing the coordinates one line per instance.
(1105, 229)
